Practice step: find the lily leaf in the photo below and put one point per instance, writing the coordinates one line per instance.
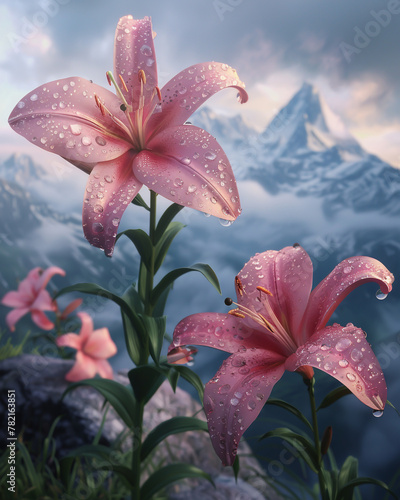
(291, 409)
(119, 396)
(191, 377)
(155, 329)
(142, 243)
(204, 269)
(333, 396)
(145, 381)
(165, 242)
(170, 474)
(302, 444)
(166, 219)
(139, 201)
(348, 489)
(174, 425)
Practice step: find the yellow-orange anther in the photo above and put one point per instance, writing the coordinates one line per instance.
(235, 312)
(239, 286)
(123, 83)
(142, 76)
(264, 290)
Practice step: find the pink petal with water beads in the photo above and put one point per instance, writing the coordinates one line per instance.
(330, 292)
(41, 320)
(110, 189)
(62, 117)
(84, 367)
(134, 51)
(345, 354)
(99, 345)
(190, 88)
(187, 166)
(221, 331)
(14, 316)
(235, 396)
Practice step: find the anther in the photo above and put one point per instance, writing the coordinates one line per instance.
(239, 286)
(108, 78)
(123, 83)
(264, 290)
(235, 312)
(159, 94)
(142, 76)
(99, 104)
(228, 301)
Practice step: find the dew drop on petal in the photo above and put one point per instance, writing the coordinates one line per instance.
(251, 405)
(343, 363)
(377, 413)
(351, 377)
(192, 188)
(186, 161)
(75, 129)
(34, 97)
(224, 389)
(98, 209)
(380, 295)
(86, 141)
(100, 141)
(115, 221)
(234, 401)
(225, 223)
(97, 227)
(21, 105)
(70, 144)
(210, 155)
(343, 344)
(146, 50)
(108, 178)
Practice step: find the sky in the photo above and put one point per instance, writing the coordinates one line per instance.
(348, 50)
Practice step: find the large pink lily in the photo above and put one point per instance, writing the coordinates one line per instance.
(279, 325)
(32, 297)
(136, 137)
(93, 349)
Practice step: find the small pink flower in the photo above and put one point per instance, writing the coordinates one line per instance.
(278, 325)
(136, 137)
(93, 349)
(181, 355)
(32, 297)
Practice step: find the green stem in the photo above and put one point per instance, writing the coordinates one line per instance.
(136, 449)
(150, 273)
(317, 442)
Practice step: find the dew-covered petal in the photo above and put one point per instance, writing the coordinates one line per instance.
(344, 353)
(189, 89)
(14, 299)
(62, 117)
(110, 189)
(346, 276)
(134, 51)
(221, 331)
(45, 276)
(14, 316)
(84, 367)
(235, 396)
(41, 320)
(99, 345)
(187, 166)
(70, 340)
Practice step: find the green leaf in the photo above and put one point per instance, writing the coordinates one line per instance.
(166, 219)
(91, 450)
(394, 408)
(348, 472)
(191, 377)
(236, 467)
(159, 307)
(333, 396)
(131, 296)
(119, 396)
(134, 341)
(302, 444)
(145, 381)
(155, 329)
(139, 201)
(164, 243)
(291, 409)
(170, 474)
(142, 243)
(204, 269)
(348, 489)
(174, 425)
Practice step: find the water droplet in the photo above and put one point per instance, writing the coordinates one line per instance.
(86, 141)
(192, 188)
(251, 405)
(343, 344)
(377, 413)
(75, 129)
(347, 270)
(146, 50)
(97, 227)
(34, 97)
(115, 222)
(108, 178)
(213, 200)
(343, 363)
(351, 377)
(356, 355)
(380, 295)
(186, 161)
(70, 144)
(56, 95)
(210, 155)
(234, 401)
(43, 140)
(225, 223)
(100, 141)
(224, 389)
(178, 182)
(98, 209)
(65, 87)
(21, 105)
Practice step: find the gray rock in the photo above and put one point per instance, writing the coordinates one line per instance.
(39, 383)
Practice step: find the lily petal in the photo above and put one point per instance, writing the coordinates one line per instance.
(179, 168)
(46, 276)
(345, 354)
(14, 299)
(43, 302)
(235, 396)
(84, 367)
(14, 316)
(62, 117)
(100, 345)
(134, 51)
(86, 328)
(104, 369)
(221, 331)
(41, 320)
(70, 340)
(330, 292)
(181, 355)
(190, 88)
(109, 190)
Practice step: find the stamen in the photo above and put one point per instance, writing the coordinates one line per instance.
(99, 104)
(228, 301)
(235, 312)
(159, 94)
(142, 76)
(239, 286)
(123, 83)
(108, 79)
(264, 290)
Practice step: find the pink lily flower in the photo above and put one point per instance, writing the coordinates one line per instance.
(93, 349)
(32, 297)
(136, 137)
(278, 325)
